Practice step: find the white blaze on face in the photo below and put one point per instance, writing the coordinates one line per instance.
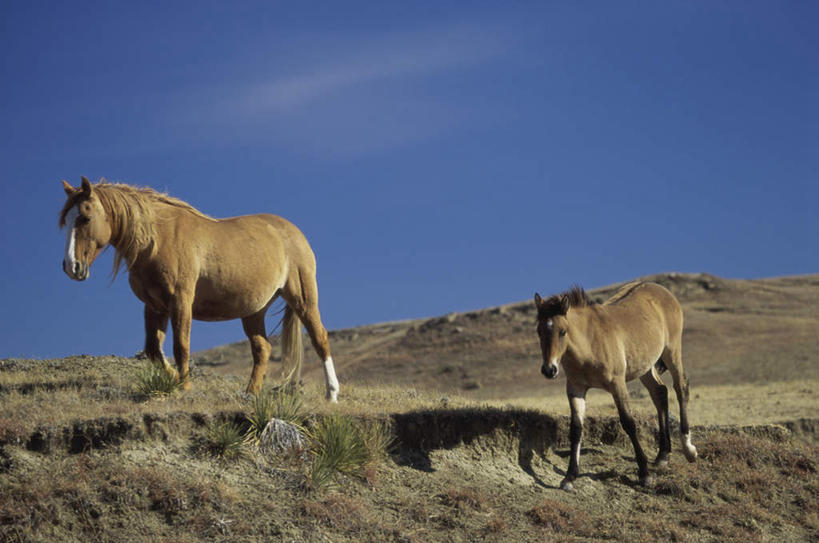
(70, 222)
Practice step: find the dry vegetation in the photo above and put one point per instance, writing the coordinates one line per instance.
(84, 455)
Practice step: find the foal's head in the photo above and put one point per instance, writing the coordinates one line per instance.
(553, 326)
(87, 229)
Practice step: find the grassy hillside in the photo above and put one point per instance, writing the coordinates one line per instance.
(738, 335)
(481, 439)
(736, 331)
(83, 456)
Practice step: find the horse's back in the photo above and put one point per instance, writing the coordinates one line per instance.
(645, 297)
(267, 228)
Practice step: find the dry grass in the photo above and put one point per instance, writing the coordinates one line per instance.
(336, 511)
(555, 516)
(737, 332)
(461, 498)
(740, 404)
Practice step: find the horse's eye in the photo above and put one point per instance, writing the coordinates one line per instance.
(562, 332)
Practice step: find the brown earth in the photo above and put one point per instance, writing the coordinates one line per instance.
(738, 335)
(479, 454)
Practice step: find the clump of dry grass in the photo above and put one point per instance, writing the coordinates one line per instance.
(460, 498)
(154, 382)
(285, 404)
(337, 447)
(336, 511)
(341, 444)
(226, 440)
(559, 517)
(496, 524)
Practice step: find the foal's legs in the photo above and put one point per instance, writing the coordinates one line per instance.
(577, 403)
(620, 393)
(259, 346)
(673, 361)
(156, 325)
(659, 395)
(301, 294)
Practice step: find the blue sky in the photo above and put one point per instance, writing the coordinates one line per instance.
(439, 156)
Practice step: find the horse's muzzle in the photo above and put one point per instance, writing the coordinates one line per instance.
(549, 370)
(77, 272)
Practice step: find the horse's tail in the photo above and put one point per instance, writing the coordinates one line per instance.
(292, 352)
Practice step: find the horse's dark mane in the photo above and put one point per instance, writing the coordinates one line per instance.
(575, 297)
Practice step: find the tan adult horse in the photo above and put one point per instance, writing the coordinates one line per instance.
(185, 265)
(636, 333)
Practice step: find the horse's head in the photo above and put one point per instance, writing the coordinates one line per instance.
(87, 229)
(552, 328)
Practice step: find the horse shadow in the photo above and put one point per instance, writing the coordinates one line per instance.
(536, 434)
(421, 432)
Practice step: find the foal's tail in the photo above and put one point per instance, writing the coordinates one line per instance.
(292, 352)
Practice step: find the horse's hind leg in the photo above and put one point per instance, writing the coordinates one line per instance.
(659, 395)
(673, 361)
(259, 346)
(301, 294)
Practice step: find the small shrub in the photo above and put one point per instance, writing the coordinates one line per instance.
(153, 381)
(338, 446)
(284, 404)
(226, 441)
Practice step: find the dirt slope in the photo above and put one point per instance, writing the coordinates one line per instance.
(736, 331)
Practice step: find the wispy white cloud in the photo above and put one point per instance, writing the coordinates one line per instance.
(362, 95)
(406, 56)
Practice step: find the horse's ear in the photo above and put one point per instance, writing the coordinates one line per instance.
(86, 186)
(69, 190)
(564, 305)
(538, 300)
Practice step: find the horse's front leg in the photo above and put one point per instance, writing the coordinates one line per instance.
(577, 403)
(181, 314)
(620, 394)
(156, 324)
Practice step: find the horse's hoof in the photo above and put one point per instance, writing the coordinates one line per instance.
(690, 453)
(645, 481)
(567, 486)
(661, 462)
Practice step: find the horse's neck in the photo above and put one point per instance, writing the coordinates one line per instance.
(585, 326)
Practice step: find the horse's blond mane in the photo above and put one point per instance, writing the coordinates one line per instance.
(132, 212)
